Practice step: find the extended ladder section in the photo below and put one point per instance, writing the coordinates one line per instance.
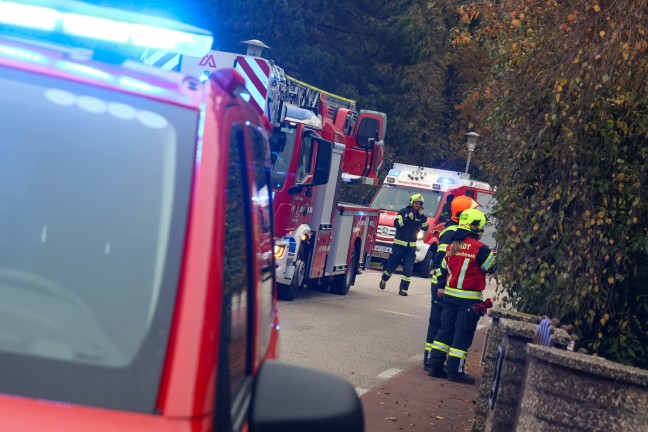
(284, 90)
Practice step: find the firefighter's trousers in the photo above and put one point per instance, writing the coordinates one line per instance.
(405, 256)
(458, 325)
(434, 322)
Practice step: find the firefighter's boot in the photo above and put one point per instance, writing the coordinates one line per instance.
(437, 372)
(461, 378)
(404, 285)
(383, 284)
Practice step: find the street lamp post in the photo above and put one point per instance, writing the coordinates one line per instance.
(471, 138)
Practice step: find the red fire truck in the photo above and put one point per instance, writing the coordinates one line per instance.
(439, 188)
(319, 140)
(136, 268)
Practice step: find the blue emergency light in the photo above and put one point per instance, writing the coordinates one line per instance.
(446, 180)
(77, 19)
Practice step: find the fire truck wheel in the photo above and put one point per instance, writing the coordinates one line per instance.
(285, 292)
(289, 292)
(426, 264)
(342, 283)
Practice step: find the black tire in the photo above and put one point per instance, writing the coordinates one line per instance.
(286, 292)
(342, 283)
(426, 264)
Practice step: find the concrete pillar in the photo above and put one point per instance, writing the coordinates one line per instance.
(566, 391)
(489, 357)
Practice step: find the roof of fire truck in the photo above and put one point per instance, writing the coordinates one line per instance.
(52, 37)
(432, 178)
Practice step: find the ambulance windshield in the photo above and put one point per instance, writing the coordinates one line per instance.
(394, 198)
(94, 187)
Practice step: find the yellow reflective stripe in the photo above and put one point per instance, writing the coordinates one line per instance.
(424, 224)
(319, 90)
(434, 278)
(386, 273)
(399, 219)
(406, 278)
(442, 247)
(489, 261)
(440, 346)
(404, 243)
(428, 346)
(454, 352)
(462, 273)
(450, 228)
(454, 292)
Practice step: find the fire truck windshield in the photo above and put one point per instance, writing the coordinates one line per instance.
(282, 147)
(394, 198)
(94, 190)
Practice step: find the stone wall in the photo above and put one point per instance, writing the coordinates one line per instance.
(515, 337)
(491, 344)
(566, 391)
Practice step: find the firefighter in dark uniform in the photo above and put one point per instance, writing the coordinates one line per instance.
(463, 274)
(409, 221)
(457, 205)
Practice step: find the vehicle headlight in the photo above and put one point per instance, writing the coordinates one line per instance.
(279, 251)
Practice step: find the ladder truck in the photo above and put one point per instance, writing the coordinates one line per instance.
(319, 140)
(438, 187)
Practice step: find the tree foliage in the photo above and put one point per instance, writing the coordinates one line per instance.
(564, 105)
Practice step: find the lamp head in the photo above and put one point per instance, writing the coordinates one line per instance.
(471, 138)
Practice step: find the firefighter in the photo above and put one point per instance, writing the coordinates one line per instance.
(409, 221)
(457, 205)
(463, 276)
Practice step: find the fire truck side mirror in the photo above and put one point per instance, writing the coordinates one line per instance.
(323, 162)
(367, 131)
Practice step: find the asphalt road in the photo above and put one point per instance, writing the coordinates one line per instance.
(366, 337)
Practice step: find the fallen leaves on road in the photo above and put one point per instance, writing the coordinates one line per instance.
(439, 417)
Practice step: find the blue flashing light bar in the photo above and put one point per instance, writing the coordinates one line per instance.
(138, 85)
(22, 54)
(446, 180)
(84, 70)
(74, 18)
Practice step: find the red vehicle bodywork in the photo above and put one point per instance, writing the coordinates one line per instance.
(186, 395)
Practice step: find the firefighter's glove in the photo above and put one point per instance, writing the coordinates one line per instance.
(480, 308)
(410, 215)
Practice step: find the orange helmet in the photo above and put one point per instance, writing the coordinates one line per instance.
(460, 204)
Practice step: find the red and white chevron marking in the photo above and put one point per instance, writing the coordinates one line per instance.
(256, 72)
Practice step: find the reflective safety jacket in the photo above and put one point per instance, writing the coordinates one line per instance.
(463, 273)
(407, 229)
(445, 239)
